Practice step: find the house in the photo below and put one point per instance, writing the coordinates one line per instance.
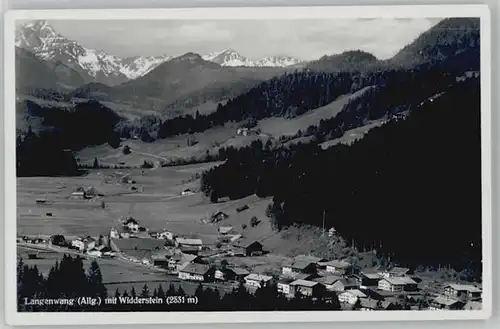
(219, 216)
(187, 192)
(131, 224)
(338, 267)
(247, 248)
(395, 272)
(257, 280)
(462, 292)
(368, 304)
(161, 257)
(397, 284)
(196, 272)
(446, 303)
(83, 244)
(345, 284)
(299, 267)
(184, 242)
(284, 285)
(165, 235)
(78, 244)
(242, 131)
(78, 195)
(231, 274)
(113, 234)
(306, 288)
(369, 279)
(328, 281)
(225, 229)
(180, 260)
(473, 306)
(351, 296)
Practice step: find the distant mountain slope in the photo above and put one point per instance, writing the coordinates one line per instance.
(230, 57)
(94, 65)
(452, 37)
(348, 61)
(33, 73)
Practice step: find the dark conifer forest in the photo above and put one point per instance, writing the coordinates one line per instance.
(404, 183)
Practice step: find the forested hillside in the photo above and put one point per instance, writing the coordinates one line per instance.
(402, 182)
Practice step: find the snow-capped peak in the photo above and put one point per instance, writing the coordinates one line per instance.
(46, 43)
(230, 57)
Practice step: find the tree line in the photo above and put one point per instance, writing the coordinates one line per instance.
(410, 188)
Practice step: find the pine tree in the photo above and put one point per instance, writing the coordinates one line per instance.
(95, 284)
(145, 291)
(160, 293)
(132, 292)
(96, 163)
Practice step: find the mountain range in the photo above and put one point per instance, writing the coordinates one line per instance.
(98, 66)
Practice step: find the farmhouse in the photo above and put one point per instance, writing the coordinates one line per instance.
(165, 235)
(161, 257)
(369, 279)
(336, 267)
(462, 292)
(131, 224)
(194, 243)
(187, 192)
(345, 284)
(368, 304)
(284, 285)
(328, 281)
(231, 273)
(219, 216)
(299, 267)
(196, 272)
(257, 280)
(397, 284)
(306, 288)
(179, 260)
(57, 240)
(225, 229)
(446, 303)
(395, 272)
(351, 296)
(247, 248)
(83, 244)
(78, 195)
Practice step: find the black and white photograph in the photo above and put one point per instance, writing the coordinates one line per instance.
(202, 164)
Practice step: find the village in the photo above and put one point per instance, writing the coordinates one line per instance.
(190, 260)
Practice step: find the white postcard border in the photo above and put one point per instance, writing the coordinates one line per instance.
(335, 12)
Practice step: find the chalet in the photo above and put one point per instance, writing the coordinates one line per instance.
(180, 260)
(166, 235)
(345, 284)
(257, 280)
(283, 285)
(336, 267)
(299, 267)
(225, 229)
(247, 248)
(446, 303)
(368, 304)
(369, 279)
(78, 195)
(351, 296)
(183, 242)
(231, 274)
(196, 272)
(187, 192)
(84, 244)
(328, 281)
(306, 288)
(219, 216)
(397, 284)
(395, 272)
(131, 224)
(161, 257)
(462, 292)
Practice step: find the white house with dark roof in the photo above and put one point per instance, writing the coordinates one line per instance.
(397, 284)
(395, 272)
(445, 303)
(351, 296)
(299, 266)
(196, 272)
(339, 267)
(255, 280)
(185, 242)
(462, 291)
(306, 287)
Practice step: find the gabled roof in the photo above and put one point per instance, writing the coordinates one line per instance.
(225, 229)
(245, 243)
(399, 270)
(238, 270)
(301, 265)
(194, 268)
(304, 283)
(348, 282)
(404, 280)
(194, 242)
(355, 292)
(368, 303)
(463, 287)
(328, 280)
(371, 275)
(336, 263)
(258, 277)
(445, 300)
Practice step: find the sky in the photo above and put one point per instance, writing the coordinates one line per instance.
(303, 39)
